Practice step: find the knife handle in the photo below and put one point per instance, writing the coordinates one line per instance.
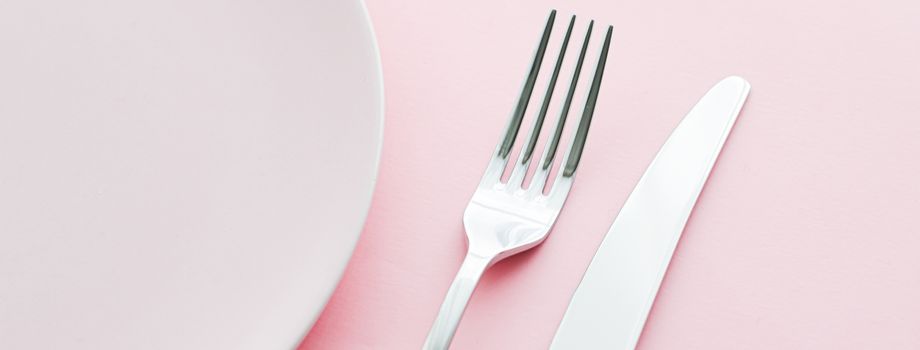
(442, 332)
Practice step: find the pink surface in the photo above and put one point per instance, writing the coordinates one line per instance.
(804, 238)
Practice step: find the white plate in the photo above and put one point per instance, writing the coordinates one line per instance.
(180, 174)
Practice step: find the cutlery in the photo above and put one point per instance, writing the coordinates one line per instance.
(611, 305)
(503, 219)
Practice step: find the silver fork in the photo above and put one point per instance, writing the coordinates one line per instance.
(503, 219)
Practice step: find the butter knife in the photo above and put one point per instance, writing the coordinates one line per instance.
(611, 305)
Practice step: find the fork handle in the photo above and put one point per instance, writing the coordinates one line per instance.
(442, 331)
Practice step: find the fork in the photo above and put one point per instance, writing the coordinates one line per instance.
(503, 219)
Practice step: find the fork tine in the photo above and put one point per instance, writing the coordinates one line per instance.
(520, 169)
(539, 180)
(564, 179)
(578, 144)
(499, 159)
(549, 93)
(527, 91)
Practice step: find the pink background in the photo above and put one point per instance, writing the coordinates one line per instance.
(806, 236)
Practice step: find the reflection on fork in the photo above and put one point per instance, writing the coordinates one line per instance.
(503, 219)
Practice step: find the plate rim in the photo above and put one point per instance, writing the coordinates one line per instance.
(379, 87)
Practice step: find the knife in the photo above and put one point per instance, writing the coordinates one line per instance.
(610, 306)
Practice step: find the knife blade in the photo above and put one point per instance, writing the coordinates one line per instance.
(612, 302)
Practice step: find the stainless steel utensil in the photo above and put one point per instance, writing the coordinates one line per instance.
(503, 219)
(610, 306)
